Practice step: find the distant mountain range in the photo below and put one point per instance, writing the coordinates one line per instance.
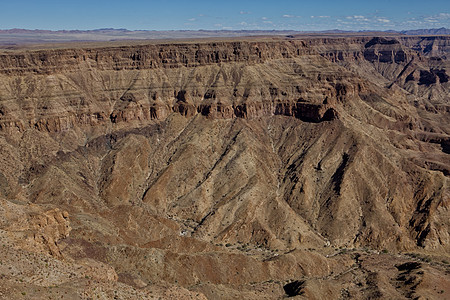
(434, 31)
(18, 36)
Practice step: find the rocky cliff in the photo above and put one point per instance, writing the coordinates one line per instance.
(230, 168)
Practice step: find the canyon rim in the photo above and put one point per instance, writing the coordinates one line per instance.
(226, 168)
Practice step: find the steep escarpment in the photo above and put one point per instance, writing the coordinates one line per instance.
(150, 56)
(212, 80)
(413, 63)
(401, 64)
(229, 168)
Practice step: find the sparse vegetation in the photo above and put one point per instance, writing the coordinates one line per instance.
(161, 151)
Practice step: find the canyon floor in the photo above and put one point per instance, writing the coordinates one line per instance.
(246, 168)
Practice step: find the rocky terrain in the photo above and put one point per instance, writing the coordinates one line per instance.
(316, 168)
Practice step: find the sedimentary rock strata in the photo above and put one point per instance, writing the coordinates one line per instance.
(229, 169)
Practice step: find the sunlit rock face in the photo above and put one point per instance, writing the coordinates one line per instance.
(227, 169)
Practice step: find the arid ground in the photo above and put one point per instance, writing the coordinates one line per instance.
(245, 168)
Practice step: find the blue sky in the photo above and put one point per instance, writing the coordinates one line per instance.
(227, 14)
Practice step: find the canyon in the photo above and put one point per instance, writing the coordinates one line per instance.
(254, 168)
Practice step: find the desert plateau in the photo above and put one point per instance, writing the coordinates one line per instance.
(270, 167)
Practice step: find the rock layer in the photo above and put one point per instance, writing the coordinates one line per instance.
(231, 167)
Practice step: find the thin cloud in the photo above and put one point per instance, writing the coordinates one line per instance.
(323, 22)
(358, 18)
(431, 20)
(319, 17)
(383, 20)
(444, 16)
(192, 19)
(244, 12)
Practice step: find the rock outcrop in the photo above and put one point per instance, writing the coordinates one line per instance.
(35, 230)
(230, 169)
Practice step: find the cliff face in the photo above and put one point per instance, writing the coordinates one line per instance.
(144, 89)
(413, 63)
(283, 150)
(150, 56)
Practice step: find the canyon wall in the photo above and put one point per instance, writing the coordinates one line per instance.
(231, 162)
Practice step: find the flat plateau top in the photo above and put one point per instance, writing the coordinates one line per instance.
(10, 43)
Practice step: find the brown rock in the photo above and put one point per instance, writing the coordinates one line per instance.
(228, 169)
